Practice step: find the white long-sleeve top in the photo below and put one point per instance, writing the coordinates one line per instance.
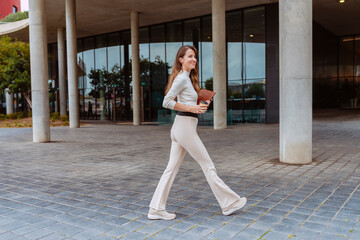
(183, 89)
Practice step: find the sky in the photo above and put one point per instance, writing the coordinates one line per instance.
(24, 5)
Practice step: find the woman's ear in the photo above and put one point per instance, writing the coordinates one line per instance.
(181, 60)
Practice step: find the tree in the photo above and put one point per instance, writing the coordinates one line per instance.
(255, 90)
(15, 67)
(209, 84)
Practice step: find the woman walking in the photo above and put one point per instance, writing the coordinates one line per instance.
(183, 85)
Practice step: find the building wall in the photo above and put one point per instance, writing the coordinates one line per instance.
(6, 7)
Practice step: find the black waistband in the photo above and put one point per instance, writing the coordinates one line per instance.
(189, 114)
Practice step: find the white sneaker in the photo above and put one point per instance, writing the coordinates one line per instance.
(235, 206)
(160, 215)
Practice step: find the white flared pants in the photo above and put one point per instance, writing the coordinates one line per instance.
(185, 138)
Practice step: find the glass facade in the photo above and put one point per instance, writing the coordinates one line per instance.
(246, 65)
(349, 71)
(104, 61)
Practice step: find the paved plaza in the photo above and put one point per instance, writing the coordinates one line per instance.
(96, 182)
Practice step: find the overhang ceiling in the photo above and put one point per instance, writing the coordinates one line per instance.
(96, 17)
(341, 19)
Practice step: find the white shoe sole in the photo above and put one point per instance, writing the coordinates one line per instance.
(243, 201)
(158, 217)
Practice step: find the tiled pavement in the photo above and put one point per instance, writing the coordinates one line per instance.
(96, 182)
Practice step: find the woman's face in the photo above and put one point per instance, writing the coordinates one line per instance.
(188, 62)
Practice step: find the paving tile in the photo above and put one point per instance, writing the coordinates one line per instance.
(8, 236)
(182, 226)
(305, 233)
(275, 236)
(220, 234)
(38, 234)
(169, 234)
(330, 236)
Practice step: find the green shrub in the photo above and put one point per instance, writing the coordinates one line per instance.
(3, 117)
(13, 17)
(7, 124)
(66, 123)
(12, 116)
(64, 118)
(29, 114)
(55, 116)
(21, 115)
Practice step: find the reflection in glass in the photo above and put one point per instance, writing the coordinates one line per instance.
(145, 73)
(114, 84)
(88, 60)
(192, 32)
(100, 57)
(234, 64)
(100, 66)
(81, 79)
(126, 76)
(346, 71)
(158, 68)
(206, 59)
(173, 42)
(254, 65)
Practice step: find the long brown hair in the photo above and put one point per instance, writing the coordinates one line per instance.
(177, 67)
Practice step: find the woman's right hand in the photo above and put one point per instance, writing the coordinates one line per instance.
(198, 109)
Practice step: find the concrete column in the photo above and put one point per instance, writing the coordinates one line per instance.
(9, 102)
(219, 61)
(62, 72)
(295, 33)
(135, 67)
(70, 11)
(39, 71)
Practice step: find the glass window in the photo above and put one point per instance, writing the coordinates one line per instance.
(113, 50)
(158, 68)
(357, 57)
(125, 48)
(234, 35)
(89, 65)
(100, 52)
(173, 42)
(346, 57)
(254, 65)
(346, 71)
(192, 32)
(357, 71)
(80, 62)
(83, 101)
(206, 59)
(144, 52)
(15, 9)
(100, 68)
(113, 80)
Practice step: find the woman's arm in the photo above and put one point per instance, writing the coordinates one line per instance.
(193, 109)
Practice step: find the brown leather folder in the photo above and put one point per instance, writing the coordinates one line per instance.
(205, 95)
